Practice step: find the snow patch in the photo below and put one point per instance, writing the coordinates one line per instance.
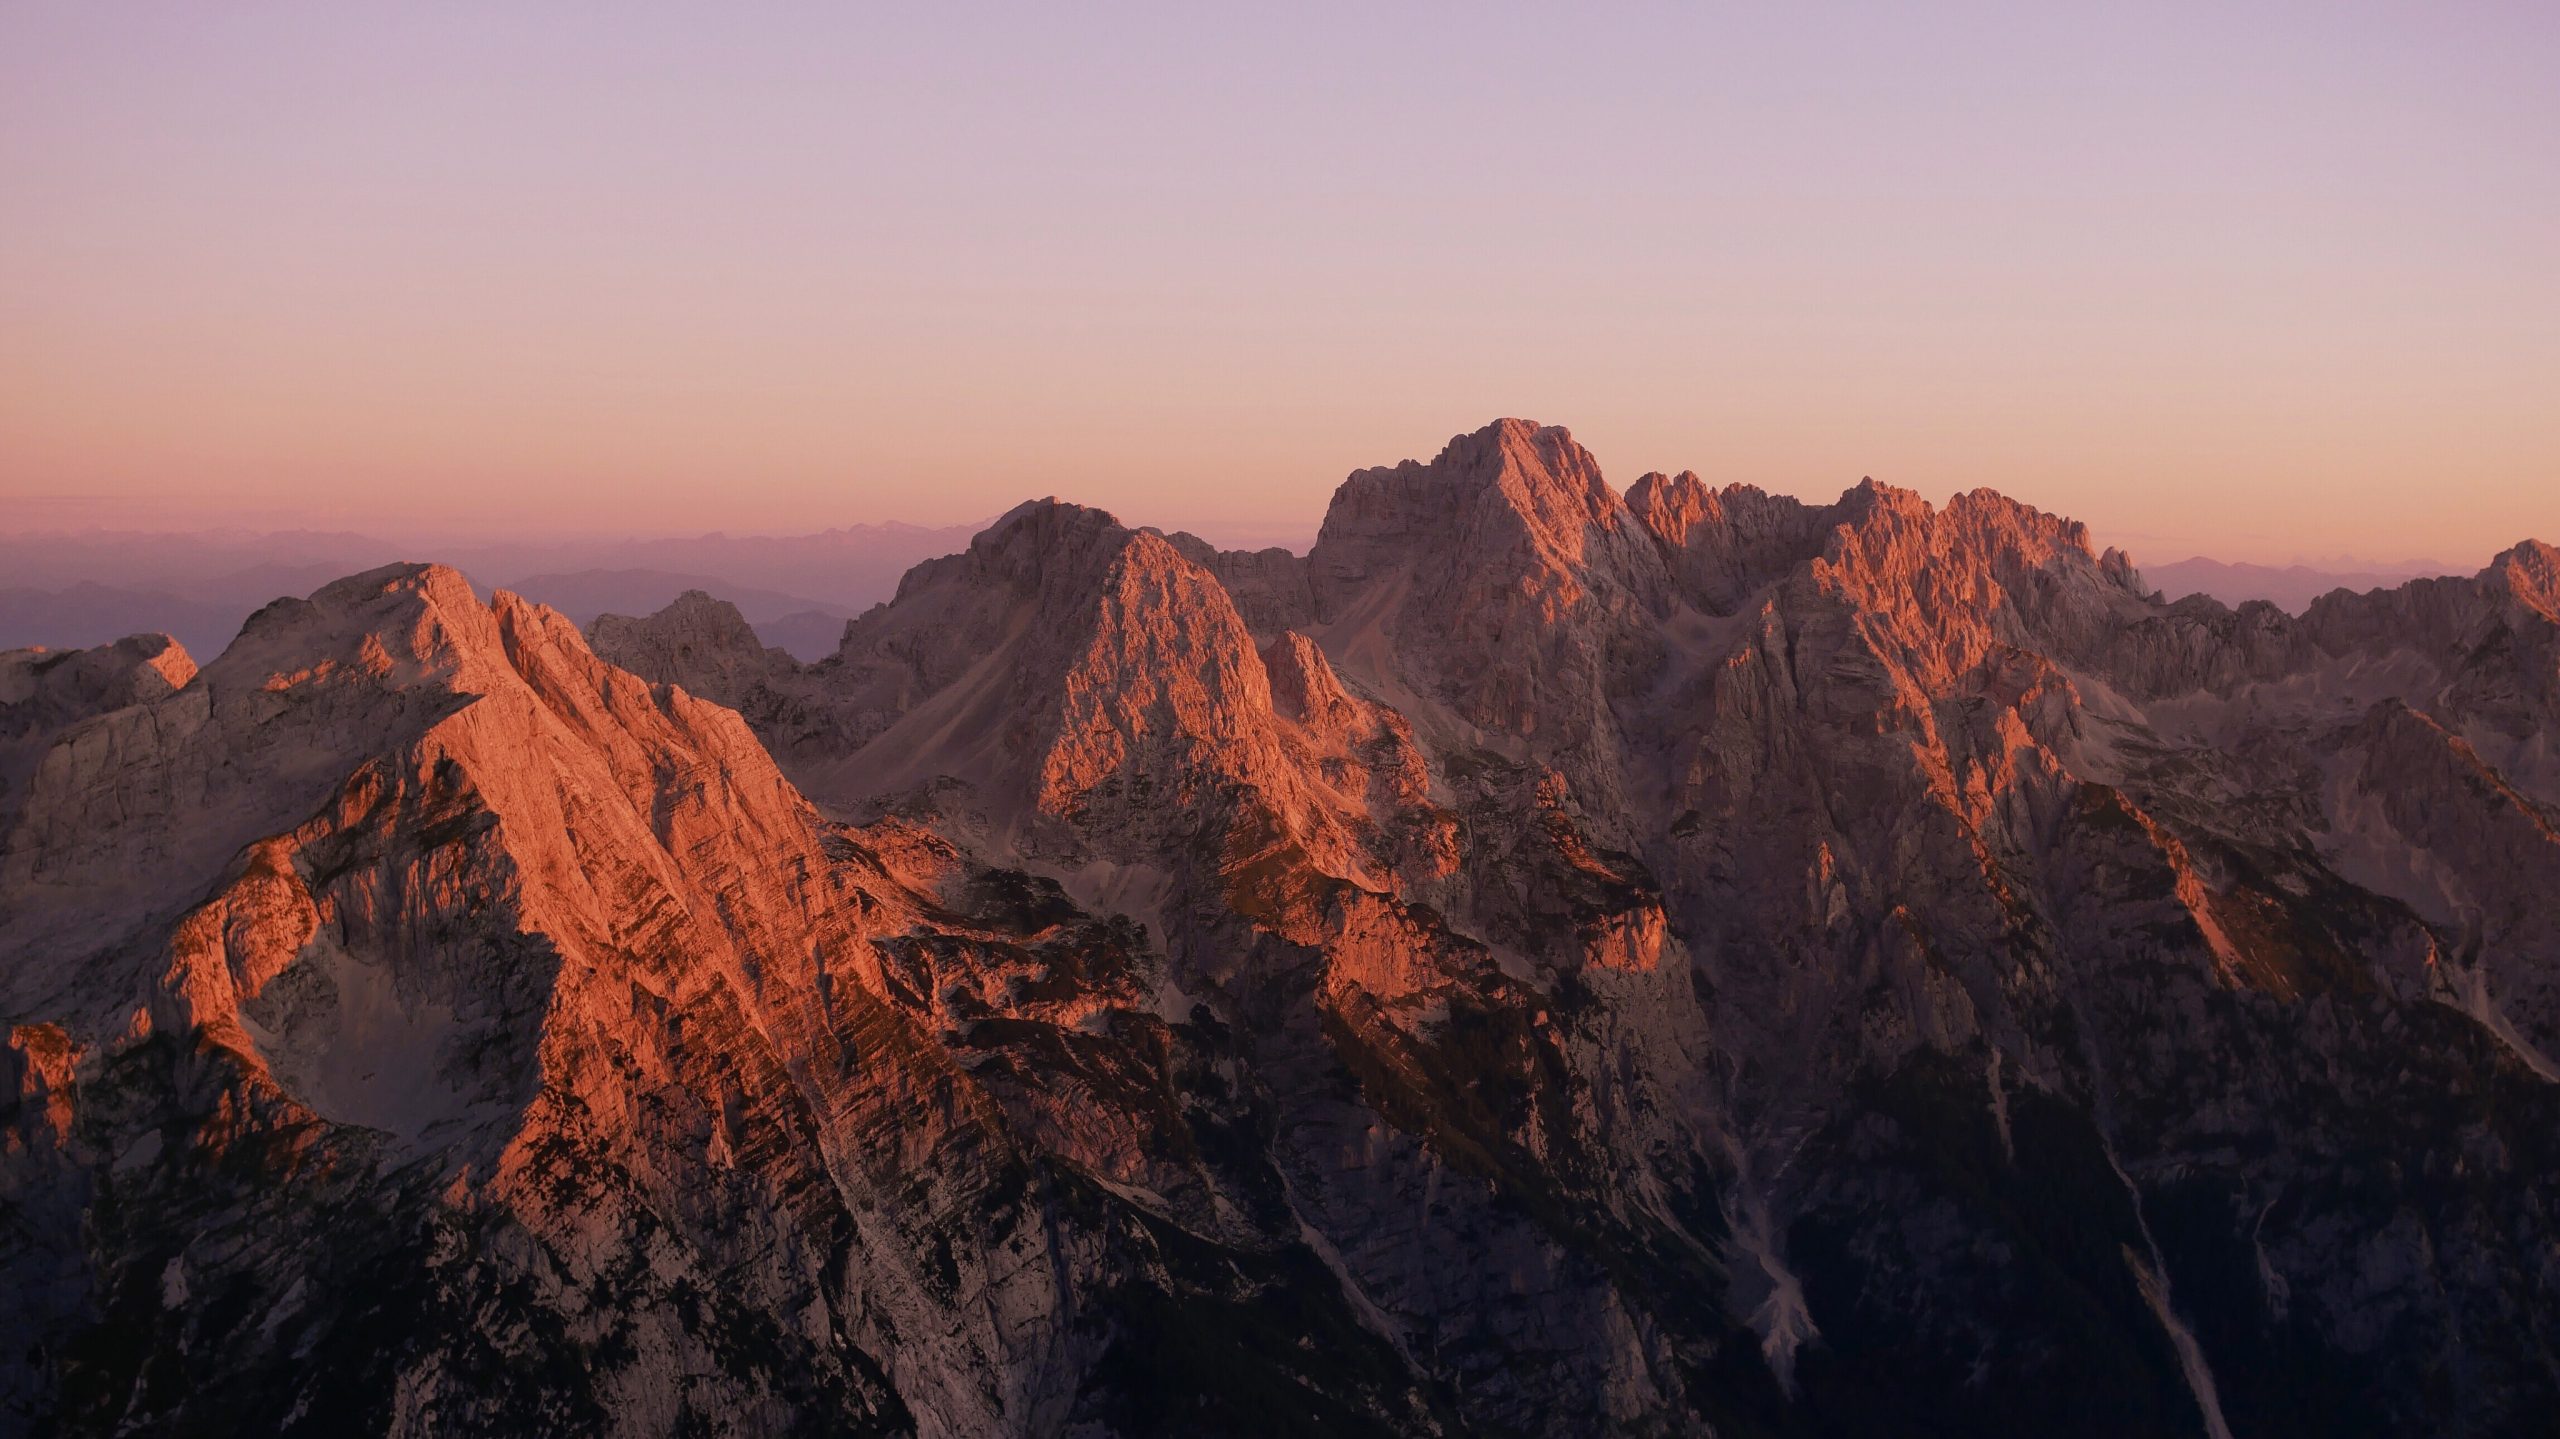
(2151, 1276)
(2467, 989)
(1782, 1318)
(2154, 1285)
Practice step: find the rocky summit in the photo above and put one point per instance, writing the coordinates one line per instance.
(1544, 962)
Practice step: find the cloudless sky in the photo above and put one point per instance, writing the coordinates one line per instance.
(2264, 281)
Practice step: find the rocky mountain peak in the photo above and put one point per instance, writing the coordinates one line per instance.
(157, 660)
(1670, 504)
(699, 642)
(1723, 544)
(1871, 495)
(1086, 683)
(2529, 571)
(44, 693)
(1994, 517)
(400, 625)
(132, 670)
(1303, 684)
(1513, 493)
(1044, 542)
(1544, 963)
(1505, 575)
(1540, 471)
(1163, 691)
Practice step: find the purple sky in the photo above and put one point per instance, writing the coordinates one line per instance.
(2263, 281)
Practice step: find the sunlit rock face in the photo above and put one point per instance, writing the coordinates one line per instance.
(1544, 962)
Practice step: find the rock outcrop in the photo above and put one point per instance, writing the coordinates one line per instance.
(1542, 962)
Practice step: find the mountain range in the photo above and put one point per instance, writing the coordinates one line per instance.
(87, 588)
(81, 589)
(1546, 960)
(2291, 588)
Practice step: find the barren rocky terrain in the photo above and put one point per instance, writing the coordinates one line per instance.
(1546, 961)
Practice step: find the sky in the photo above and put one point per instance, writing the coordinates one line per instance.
(2266, 282)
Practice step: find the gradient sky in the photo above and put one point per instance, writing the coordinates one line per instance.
(2262, 281)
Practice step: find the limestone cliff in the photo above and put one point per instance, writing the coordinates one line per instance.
(1542, 962)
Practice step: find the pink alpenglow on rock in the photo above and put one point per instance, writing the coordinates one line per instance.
(1543, 961)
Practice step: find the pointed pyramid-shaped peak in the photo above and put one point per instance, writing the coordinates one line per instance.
(1512, 481)
(1873, 499)
(1156, 599)
(1046, 558)
(1160, 682)
(1047, 536)
(1537, 467)
(1042, 519)
(1065, 664)
(2538, 554)
(1303, 684)
(1040, 545)
(1505, 573)
(2530, 572)
(1515, 499)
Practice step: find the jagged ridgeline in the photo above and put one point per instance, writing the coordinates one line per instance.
(1544, 962)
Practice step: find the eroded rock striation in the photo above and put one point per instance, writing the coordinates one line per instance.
(1545, 961)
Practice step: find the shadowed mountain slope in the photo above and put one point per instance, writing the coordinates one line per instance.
(1545, 961)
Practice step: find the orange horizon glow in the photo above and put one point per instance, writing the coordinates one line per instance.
(2269, 287)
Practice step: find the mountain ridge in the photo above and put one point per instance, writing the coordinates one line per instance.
(1576, 961)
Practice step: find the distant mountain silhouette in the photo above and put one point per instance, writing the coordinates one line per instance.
(2291, 588)
(88, 613)
(75, 590)
(806, 635)
(1544, 961)
(584, 594)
